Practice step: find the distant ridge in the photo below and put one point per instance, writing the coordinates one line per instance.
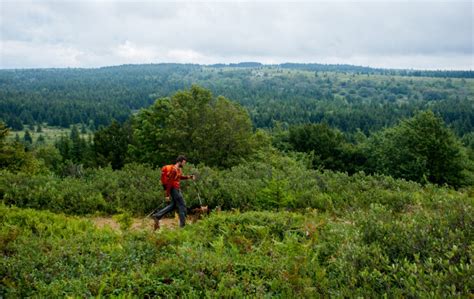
(315, 67)
(370, 70)
(240, 64)
(318, 67)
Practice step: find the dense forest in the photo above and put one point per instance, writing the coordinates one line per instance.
(345, 97)
(323, 181)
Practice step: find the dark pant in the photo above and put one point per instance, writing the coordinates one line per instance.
(177, 200)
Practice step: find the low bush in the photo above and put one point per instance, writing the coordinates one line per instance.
(277, 183)
(374, 252)
(136, 189)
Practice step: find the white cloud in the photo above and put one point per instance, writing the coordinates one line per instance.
(185, 55)
(130, 52)
(420, 34)
(35, 55)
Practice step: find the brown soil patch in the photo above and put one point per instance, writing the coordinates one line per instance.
(137, 224)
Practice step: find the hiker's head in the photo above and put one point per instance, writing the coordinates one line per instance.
(181, 160)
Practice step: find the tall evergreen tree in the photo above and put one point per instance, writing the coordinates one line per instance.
(111, 144)
(27, 137)
(78, 145)
(4, 131)
(13, 156)
(63, 144)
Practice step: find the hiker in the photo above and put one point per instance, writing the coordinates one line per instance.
(172, 185)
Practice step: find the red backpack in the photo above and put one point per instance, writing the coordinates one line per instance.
(165, 171)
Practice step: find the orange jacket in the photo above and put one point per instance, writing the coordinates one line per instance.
(174, 178)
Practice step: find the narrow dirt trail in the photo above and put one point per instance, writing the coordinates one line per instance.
(137, 224)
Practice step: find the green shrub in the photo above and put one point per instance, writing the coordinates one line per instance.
(136, 188)
(273, 182)
(423, 252)
(124, 219)
(375, 252)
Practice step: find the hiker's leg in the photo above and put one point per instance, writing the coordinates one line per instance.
(178, 198)
(167, 209)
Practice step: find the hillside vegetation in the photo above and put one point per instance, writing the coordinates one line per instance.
(312, 195)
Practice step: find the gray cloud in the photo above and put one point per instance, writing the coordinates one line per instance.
(420, 34)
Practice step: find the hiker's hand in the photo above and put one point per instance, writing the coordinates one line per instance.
(167, 198)
(193, 177)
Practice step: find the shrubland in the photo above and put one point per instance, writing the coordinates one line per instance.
(425, 250)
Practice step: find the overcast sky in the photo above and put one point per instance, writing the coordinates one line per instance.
(394, 34)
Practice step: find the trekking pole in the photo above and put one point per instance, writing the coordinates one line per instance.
(150, 213)
(197, 190)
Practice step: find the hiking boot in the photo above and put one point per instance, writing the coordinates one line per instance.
(156, 225)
